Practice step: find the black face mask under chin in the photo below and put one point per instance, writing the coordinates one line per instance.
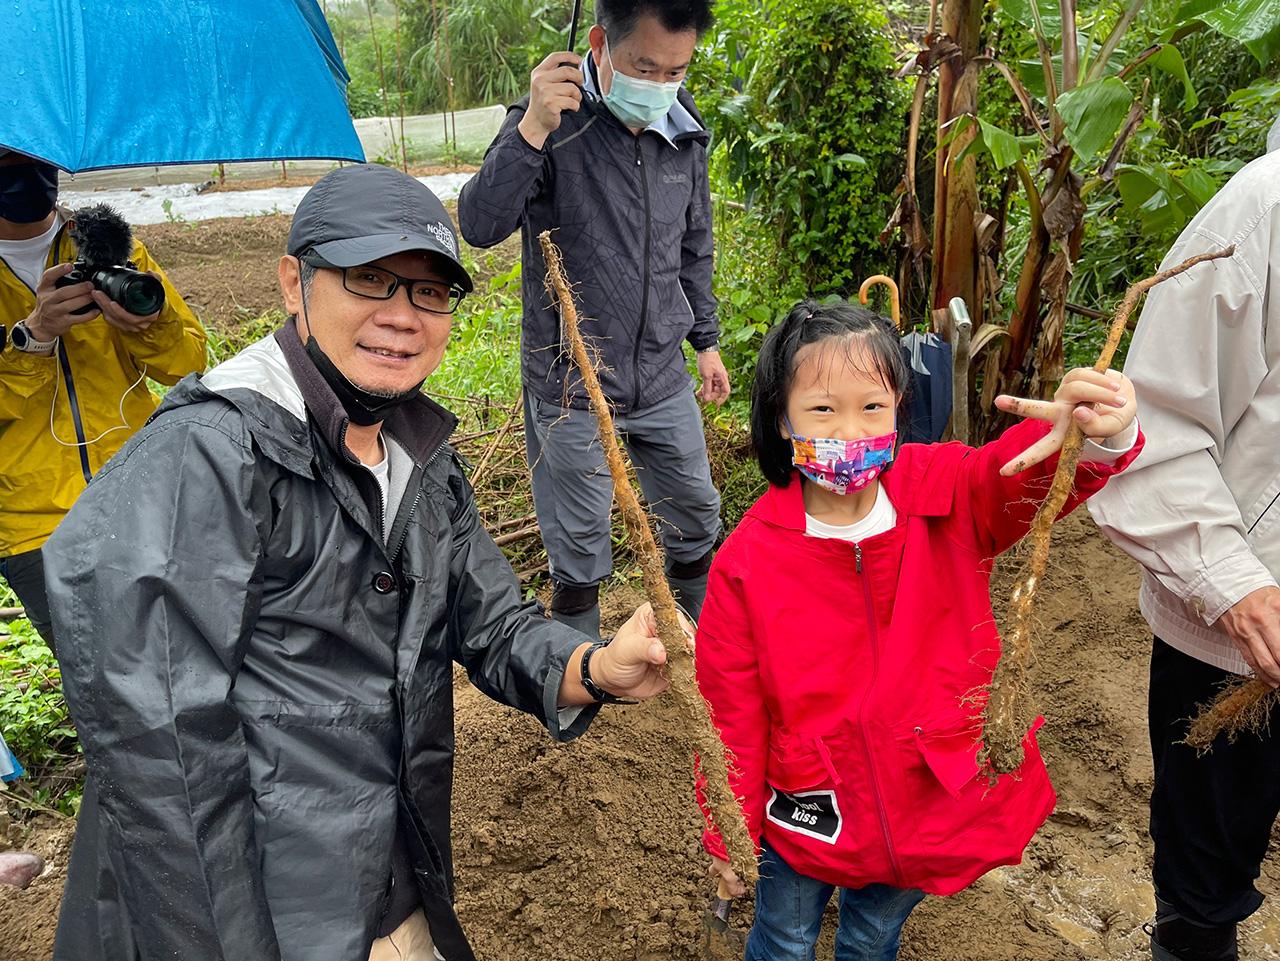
(363, 407)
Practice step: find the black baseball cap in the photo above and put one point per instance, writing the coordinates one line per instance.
(360, 213)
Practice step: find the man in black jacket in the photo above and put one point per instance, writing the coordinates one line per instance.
(611, 153)
(259, 602)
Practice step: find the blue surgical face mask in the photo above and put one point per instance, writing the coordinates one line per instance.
(638, 103)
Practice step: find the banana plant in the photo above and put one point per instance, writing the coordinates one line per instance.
(1082, 92)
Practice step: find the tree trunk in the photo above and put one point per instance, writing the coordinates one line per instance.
(955, 269)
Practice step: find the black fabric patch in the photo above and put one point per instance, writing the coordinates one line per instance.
(813, 813)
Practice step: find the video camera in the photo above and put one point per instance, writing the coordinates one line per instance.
(104, 242)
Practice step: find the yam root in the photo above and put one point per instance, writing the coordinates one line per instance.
(1009, 713)
(697, 730)
(1244, 707)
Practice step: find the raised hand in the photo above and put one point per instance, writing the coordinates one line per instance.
(1102, 404)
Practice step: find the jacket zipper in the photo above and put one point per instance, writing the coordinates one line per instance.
(413, 504)
(395, 552)
(644, 295)
(403, 785)
(862, 717)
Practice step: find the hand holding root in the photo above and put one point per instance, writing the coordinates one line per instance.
(727, 880)
(1253, 623)
(1008, 714)
(695, 729)
(1100, 405)
(631, 666)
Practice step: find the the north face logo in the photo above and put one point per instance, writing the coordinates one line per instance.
(445, 236)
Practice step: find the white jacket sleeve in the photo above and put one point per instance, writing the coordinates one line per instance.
(1197, 360)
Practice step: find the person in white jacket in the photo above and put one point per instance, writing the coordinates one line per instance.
(1200, 511)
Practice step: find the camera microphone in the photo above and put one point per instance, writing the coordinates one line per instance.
(104, 243)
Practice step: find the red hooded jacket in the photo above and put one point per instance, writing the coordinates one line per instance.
(847, 681)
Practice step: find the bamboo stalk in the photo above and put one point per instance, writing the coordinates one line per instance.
(1007, 714)
(697, 731)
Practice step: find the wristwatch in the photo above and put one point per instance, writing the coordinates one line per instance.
(25, 342)
(709, 349)
(598, 693)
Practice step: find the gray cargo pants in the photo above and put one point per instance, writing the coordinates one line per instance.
(573, 493)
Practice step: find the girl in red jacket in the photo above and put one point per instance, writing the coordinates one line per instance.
(848, 628)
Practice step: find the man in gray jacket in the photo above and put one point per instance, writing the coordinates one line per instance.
(1200, 511)
(259, 601)
(611, 153)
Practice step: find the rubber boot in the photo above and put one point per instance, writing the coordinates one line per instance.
(585, 622)
(578, 606)
(688, 580)
(690, 592)
(1174, 938)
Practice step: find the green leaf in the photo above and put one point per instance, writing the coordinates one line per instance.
(1137, 184)
(1199, 185)
(1093, 115)
(1050, 14)
(1169, 59)
(1002, 145)
(1255, 23)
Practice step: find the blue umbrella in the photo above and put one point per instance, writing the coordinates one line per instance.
(87, 84)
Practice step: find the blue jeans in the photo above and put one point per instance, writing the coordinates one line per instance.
(789, 910)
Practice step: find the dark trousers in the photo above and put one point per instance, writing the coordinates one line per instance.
(1211, 815)
(25, 574)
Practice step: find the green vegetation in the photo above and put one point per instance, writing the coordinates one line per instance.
(34, 716)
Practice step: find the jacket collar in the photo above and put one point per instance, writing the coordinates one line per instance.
(681, 122)
(904, 482)
(421, 426)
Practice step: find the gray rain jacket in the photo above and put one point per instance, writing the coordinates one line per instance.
(263, 684)
(634, 225)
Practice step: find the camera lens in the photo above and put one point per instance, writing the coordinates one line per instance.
(138, 293)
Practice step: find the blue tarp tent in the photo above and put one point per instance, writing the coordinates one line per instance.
(87, 84)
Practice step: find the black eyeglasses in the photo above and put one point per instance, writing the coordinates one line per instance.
(378, 283)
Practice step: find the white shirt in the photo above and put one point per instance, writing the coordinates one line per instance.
(879, 519)
(26, 258)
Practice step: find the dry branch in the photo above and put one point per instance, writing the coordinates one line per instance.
(697, 731)
(1008, 713)
(512, 417)
(519, 535)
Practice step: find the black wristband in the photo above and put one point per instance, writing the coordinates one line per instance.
(598, 693)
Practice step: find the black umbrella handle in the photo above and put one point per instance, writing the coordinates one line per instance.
(572, 26)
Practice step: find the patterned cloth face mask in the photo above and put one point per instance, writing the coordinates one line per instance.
(841, 466)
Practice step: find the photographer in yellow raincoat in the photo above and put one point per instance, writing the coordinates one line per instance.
(73, 386)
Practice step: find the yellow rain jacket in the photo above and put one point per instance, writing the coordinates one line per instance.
(63, 416)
